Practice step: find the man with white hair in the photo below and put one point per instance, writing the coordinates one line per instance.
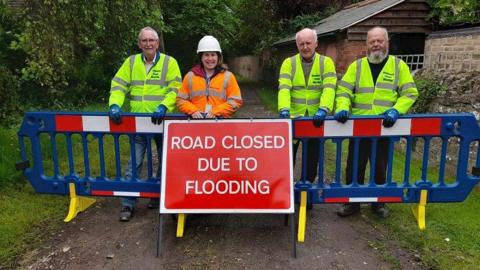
(152, 79)
(379, 84)
(307, 85)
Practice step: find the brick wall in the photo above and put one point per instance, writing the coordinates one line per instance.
(349, 51)
(453, 50)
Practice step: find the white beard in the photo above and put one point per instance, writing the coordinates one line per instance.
(377, 57)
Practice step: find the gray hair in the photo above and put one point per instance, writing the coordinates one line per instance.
(381, 28)
(313, 31)
(147, 28)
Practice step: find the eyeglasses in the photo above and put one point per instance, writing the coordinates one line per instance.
(145, 41)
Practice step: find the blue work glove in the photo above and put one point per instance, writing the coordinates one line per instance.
(159, 114)
(390, 117)
(284, 113)
(319, 117)
(341, 116)
(115, 113)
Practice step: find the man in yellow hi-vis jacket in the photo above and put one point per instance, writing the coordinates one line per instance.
(152, 79)
(378, 84)
(307, 85)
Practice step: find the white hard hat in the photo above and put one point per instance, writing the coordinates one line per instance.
(208, 44)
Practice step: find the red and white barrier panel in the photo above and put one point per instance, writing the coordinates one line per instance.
(362, 199)
(369, 128)
(83, 123)
(125, 194)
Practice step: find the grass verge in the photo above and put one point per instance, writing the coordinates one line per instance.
(26, 217)
(450, 240)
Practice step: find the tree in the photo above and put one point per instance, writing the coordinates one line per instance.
(10, 62)
(264, 22)
(258, 26)
(74, 47)
(188, 21)
(455, 12)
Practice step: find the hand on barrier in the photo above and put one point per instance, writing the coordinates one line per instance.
(284, 113)
(159, 114)
(210, 115)
(319, 117)
(390, 117)
(197, 115)
(341, 116)
(115, 113)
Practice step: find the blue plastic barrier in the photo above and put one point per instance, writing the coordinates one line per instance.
(92, 128)
(424, 128)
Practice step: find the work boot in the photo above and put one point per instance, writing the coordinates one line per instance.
(126, 213)
(380, 209)
(153, 204)
(348, 209)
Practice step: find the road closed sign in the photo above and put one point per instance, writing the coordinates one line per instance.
(227, 166)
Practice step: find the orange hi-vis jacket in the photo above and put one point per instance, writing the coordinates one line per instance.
(221, 96)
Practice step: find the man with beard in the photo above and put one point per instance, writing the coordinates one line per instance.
(306, 87)
(379, 84)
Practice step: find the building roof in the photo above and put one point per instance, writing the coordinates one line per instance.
(348, 16)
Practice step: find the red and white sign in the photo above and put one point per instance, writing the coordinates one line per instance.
(228, 166)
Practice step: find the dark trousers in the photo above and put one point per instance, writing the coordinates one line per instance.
(312, 156)
(364, 149)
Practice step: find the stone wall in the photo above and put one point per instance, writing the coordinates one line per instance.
(462, 93)
(453, 50)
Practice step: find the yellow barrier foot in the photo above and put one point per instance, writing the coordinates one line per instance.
(180, 224)
(302, 216)
(419, 210)
(77, 203)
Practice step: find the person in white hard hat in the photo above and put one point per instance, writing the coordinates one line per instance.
(209, 90)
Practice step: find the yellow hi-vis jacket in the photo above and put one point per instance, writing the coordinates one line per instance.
(302, 97)
(147, 91)
(395, 88)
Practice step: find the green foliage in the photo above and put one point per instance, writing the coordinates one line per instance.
(9, 96)
(428, 89)
(272, 20)
(9, 28)
(455, 12)
(301, 21)
(74, 47)
(9, 148)
(188, 21)
(258, 28)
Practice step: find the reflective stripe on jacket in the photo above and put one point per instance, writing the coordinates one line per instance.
(147, 91)
(300, 97)
(223, 94)
(394, 88)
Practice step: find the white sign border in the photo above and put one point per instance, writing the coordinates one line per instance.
(164, 210)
